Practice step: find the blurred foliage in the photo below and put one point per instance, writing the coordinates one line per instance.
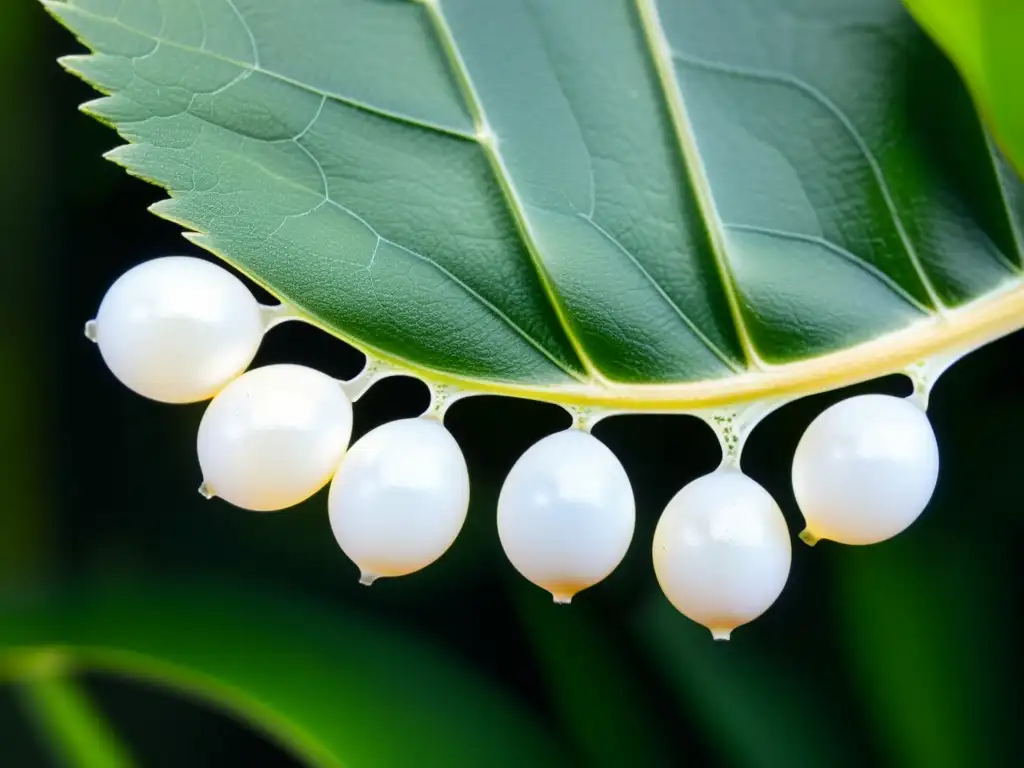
(983, 38)
(902, 654)
(334, 689)
(756, 704)
(79, 736)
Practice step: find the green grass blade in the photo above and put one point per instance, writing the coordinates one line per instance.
(67, 720)
(333, 689)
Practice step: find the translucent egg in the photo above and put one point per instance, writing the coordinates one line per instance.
(177, 329)
(273, 437)
(566, 513)
(722, 551)
(399, 498)
(865, 469)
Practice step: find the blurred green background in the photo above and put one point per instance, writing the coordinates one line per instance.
(907, 653)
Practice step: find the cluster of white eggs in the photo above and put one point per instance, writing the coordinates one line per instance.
(180, 329)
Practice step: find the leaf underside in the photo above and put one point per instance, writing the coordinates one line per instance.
(588, 194)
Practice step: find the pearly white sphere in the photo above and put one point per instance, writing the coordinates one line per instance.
(566, 513)
(273, 437)
(722, 551)
(399, 498)
(865, 469)
(177, 329)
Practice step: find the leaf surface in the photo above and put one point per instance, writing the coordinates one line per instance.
(591, 200)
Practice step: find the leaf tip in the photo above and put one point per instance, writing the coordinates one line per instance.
(204, 241)
(198, 238)
(165, 209)
(118, 155)
(72, 62)
(94, 109)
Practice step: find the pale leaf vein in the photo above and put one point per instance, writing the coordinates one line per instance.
(791, 81)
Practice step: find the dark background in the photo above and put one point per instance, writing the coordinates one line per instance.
(906, 653)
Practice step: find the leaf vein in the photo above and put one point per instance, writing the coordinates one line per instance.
(692, 326)
(840, 251)
(696, 170)
(203, 24)
(489, 143)
(248, 31)
(1011, 220)
(469, 290)
(340, 98)
(791, 81)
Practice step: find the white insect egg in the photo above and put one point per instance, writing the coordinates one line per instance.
(722, 551)
(399, 498)
(177, 329)
(566, 513)
(273, 437)
(865, 469)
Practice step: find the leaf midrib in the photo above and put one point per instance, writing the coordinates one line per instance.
(491, 148)
(976, 322)
(482, 137)
(488, 142)
(672, 94)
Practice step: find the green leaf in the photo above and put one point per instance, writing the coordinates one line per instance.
(983, 38)
(332, 688)
(645, 204)
(73, 728)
